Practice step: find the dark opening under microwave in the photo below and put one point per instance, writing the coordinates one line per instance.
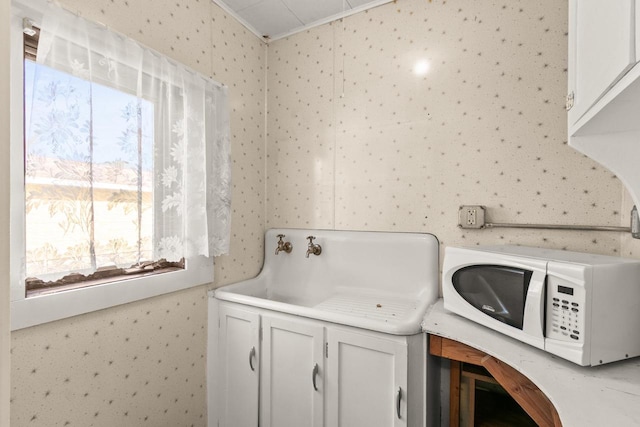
(582, 307)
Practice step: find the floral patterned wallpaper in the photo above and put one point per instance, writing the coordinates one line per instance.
(145, 363)
(357, 139)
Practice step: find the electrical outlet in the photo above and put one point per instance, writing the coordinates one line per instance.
(471, 216)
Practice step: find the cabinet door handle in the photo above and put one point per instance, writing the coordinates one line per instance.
(398, 400)
(314, 374)
(252, 354)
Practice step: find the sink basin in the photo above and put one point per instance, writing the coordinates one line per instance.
(372, 280)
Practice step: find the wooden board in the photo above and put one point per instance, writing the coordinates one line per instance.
(454, 350)
(454, 394)
(523, 391)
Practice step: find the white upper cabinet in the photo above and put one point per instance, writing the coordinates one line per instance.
(604, 78)
(602, 48)
(637, 28)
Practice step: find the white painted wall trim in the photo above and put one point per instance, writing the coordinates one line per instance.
(5, 334)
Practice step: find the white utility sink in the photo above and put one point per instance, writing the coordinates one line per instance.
(372, 280)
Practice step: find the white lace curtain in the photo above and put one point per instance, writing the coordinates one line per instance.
(171, 155)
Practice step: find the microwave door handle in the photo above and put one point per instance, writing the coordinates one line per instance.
(535, 306)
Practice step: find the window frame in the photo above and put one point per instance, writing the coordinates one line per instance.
(35, 310)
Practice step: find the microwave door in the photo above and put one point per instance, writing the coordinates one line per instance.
(496, 290)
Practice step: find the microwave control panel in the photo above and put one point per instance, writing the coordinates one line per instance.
(565, 310)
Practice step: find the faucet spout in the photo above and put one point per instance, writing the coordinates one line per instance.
(313, 248)
(282, 245)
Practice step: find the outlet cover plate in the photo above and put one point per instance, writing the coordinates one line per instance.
(471, 216)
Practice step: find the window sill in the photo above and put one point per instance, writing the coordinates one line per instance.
(36, 310)
(95, 282)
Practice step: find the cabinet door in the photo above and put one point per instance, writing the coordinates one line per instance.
(367, 380)
(292, 385)
(602, 48)
(239, 355)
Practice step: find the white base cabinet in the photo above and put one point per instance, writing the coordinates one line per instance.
(369, 380)
(239, 367)
(291, 387)
(279, 370)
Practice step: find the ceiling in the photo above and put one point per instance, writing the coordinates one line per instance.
(275, 19)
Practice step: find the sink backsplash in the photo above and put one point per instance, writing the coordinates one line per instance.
(402, 263)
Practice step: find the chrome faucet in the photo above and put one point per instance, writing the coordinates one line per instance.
(313, 248)
(282, 245)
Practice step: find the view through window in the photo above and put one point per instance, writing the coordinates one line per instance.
(88, 175)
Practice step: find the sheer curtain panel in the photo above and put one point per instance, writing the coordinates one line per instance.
(127, 154)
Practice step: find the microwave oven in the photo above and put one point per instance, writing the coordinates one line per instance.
(584, 308)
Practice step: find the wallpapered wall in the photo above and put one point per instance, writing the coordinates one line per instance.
(144, 363)
(356, 140)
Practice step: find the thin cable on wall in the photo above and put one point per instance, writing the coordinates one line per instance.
(335, 120)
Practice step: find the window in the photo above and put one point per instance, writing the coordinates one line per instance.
(88, 182)
(123, 183)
